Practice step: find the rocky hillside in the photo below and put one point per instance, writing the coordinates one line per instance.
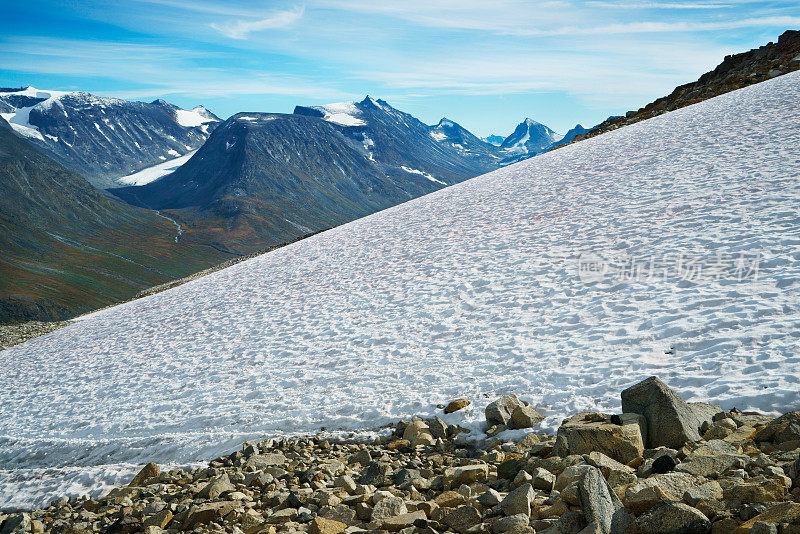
(735, 72)
(68, 249)
(662, 466)
(104, 138)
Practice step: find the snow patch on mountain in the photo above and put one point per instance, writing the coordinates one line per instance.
(422, 173)
(341, 113)
(194, 117)
(151, 174)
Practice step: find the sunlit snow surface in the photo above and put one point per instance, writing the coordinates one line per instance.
(470, 291)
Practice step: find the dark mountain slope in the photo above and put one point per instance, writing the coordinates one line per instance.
(68, 249)
(267, 179)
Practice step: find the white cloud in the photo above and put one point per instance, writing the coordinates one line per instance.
(240, 29)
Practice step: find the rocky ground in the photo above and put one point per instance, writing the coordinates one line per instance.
(735, 72)
(14, 334)
(662, 466)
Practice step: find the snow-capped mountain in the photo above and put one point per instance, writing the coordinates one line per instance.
(267, 179)
(565, 278)
(104, 138)
(67, 248)
(494, 139)
(528, 139)
(569, 136)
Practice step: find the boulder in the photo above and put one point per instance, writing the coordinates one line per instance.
(455, 405)
(399, 522)
(672, 518)
(586, 432)
(755, 491)
(650, 491)
(601, 506)
(462, 518)
(388, 507)
(149, 471)
(784, 428)
(671, 422)
(543, 479)
(702, 465)
(259, 462)
(467, 474)
(525, 417)
(15, 523)
(785, 512)
(217, 487)
(518, 501)
(208, 512)
(513, 523)
(489, 499)
(710, 491)
(376, 474)
(320, 525)
(499, 412)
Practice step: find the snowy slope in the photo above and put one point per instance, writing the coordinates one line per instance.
(151, 174)
(474, 290)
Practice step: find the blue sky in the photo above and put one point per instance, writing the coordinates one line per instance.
(484, 64)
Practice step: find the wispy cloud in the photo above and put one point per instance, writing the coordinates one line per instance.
(241, 29)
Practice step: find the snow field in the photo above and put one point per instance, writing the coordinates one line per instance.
(472, 291)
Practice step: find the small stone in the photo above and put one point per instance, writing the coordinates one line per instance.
(458, 404)
(519, 501)
(663, 464)
(148, 471)
(320, 525)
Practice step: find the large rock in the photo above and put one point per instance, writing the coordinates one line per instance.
(756, 491)
(784, 428)
(785, 512)
(399, 522)
(320, 525)
(259, 462)
(519, 501)
(499, 412)
(217, 487)
(466, 474)
(586, 432)
(456, 405)
(672, 518)
(462, 518)
(601, 506)
(525, 417)
(149, 471)
(671, 422)
(205, 513)
(388, 507)
(15, 523)
(648, 492)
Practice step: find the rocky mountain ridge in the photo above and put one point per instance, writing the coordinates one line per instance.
(735, 72)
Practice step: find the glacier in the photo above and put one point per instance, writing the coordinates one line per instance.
(669, 248)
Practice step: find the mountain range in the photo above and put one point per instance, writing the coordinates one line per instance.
(104, 138)
(102, 197)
